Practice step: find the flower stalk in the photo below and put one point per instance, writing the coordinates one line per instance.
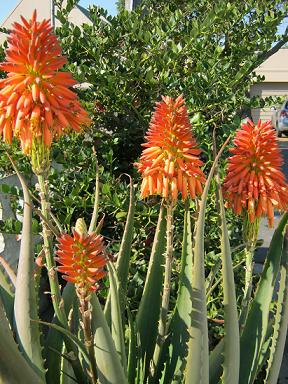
(85, 310)
(47, 246)
(162, 329)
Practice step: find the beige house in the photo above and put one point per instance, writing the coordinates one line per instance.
(275, 70)
(45, 10)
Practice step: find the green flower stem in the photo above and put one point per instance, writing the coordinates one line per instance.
(162, 328)
(249, 264)
(85, 311)
(250, 234)
(58, 304)
(50, 263)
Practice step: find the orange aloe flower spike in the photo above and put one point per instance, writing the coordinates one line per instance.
(35, 99)
(254, 182)
(82, 257)
(169, 164)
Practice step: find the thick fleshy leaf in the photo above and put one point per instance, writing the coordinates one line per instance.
(7, 296)
(197, 369)
(134, 353)
(116, 316)
(81, 347)
(25, 303)
(181, 319)
(123, 259)
(255, 330)
(231, 349)
(14, 369)
(280, 322)
(109, 368)
(54, 341)
(149, 308)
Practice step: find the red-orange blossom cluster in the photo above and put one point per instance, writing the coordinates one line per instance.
(254, 181)
(35, 99)
(170, 162)
(82, 259)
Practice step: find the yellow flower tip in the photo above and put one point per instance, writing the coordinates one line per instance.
(169, 164)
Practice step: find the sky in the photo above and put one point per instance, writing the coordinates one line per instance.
(8, 6)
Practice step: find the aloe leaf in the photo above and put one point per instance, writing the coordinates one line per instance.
(116, 316)
(231, 350)
(280, 321)
(123, 259)
(110, 370)
(25, 303)
(14, 369)
(216, 357)
(197, 368)
(149, 308)
(81, 347)
(215, 362)
(133, 354)
(255, 330)
(54, 340)
(181, 318)
(7, 296)
(264, 355)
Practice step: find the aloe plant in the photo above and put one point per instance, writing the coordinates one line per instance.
(92, 342)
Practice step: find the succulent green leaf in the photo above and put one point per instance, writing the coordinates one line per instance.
(215, 362)
(181, 319)
(25, 303)
(133, 354)
(54, 340)
(116, 316)
(255, 330)
(110, 370)
(197, 368)
(231, 350)
(81, 347)
(123, 259)
(280, 321)
(149, 308)
(14, 369)
(7, 296)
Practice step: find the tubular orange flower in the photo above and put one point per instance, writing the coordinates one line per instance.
(170, 162)
(82, 258)
(35, 101)
(254, 181)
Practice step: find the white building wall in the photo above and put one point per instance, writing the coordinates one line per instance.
(26, 9)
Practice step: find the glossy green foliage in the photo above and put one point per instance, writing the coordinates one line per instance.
(206, 50)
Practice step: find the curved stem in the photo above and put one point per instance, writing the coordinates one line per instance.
(162, 328)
